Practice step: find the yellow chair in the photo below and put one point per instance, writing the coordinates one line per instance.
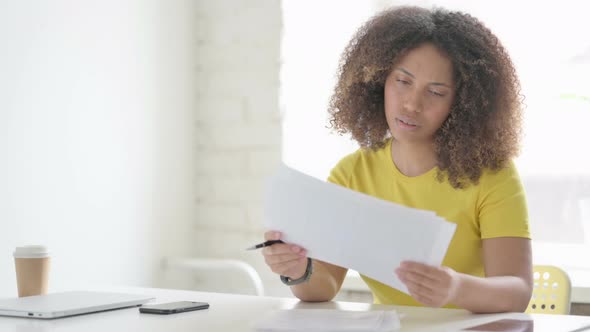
(551, 291)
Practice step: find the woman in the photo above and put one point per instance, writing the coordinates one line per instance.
(432, 98)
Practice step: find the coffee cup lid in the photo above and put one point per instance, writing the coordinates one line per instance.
(32, 251)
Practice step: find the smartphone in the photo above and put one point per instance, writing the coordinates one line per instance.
(173, 307)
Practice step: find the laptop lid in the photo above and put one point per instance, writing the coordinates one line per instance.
(65, 304)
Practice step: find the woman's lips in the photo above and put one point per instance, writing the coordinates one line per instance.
(406, 123)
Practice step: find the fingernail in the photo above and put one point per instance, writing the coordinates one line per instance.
(277, 235)
(295, 249)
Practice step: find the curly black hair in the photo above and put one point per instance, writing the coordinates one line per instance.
(482, 130)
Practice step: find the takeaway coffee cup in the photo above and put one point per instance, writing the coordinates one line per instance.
(32, 270)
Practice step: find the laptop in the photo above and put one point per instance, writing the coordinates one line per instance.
(56, 305)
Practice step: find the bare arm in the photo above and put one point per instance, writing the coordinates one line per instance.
(507, 285)
(509, 278)
(324, 284)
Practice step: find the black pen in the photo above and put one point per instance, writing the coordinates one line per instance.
(264, 244)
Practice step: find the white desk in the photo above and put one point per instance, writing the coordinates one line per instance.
(238, 313)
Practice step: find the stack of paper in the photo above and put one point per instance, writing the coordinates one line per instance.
(326, 320)
(352, 229)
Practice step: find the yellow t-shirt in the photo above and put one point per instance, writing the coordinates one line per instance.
(496, 207)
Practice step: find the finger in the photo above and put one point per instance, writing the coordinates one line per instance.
(422, 288)
(417, 277)
(430, 294)
(272, 235)
(423, 269)
(430, 297)
(276, 249)
(424, 299)
(281, 249)
(287, 268)
(278, 259)
(419, 292)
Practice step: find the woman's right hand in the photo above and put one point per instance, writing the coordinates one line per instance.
(284, 259)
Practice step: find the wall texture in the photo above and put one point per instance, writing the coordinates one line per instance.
(238, 129)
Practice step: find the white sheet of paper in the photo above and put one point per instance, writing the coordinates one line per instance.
(329, 320)
(352, 229)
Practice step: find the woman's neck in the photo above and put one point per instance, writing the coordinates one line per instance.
(413, 159)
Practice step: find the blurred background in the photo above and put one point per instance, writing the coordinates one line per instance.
(136, 136)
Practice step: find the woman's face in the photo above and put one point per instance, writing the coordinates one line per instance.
(419, 93)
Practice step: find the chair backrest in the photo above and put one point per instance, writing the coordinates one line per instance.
(210, 274)
(551, 291)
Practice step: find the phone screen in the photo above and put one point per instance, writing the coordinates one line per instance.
(173, 307)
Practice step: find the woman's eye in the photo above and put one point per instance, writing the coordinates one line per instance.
(403, 81)
(438, 94)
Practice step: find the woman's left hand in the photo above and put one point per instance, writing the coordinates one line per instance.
(433, 286)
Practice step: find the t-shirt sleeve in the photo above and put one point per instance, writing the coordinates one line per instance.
(342, 172)
(502, 205)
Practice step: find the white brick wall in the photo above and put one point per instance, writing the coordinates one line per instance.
(251, 135)
(237, 129)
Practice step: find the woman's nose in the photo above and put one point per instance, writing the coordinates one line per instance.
(413, 102)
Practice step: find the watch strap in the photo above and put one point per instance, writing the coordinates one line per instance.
(308, 270)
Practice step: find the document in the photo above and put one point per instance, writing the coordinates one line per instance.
(351, 229)
(329, 320)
